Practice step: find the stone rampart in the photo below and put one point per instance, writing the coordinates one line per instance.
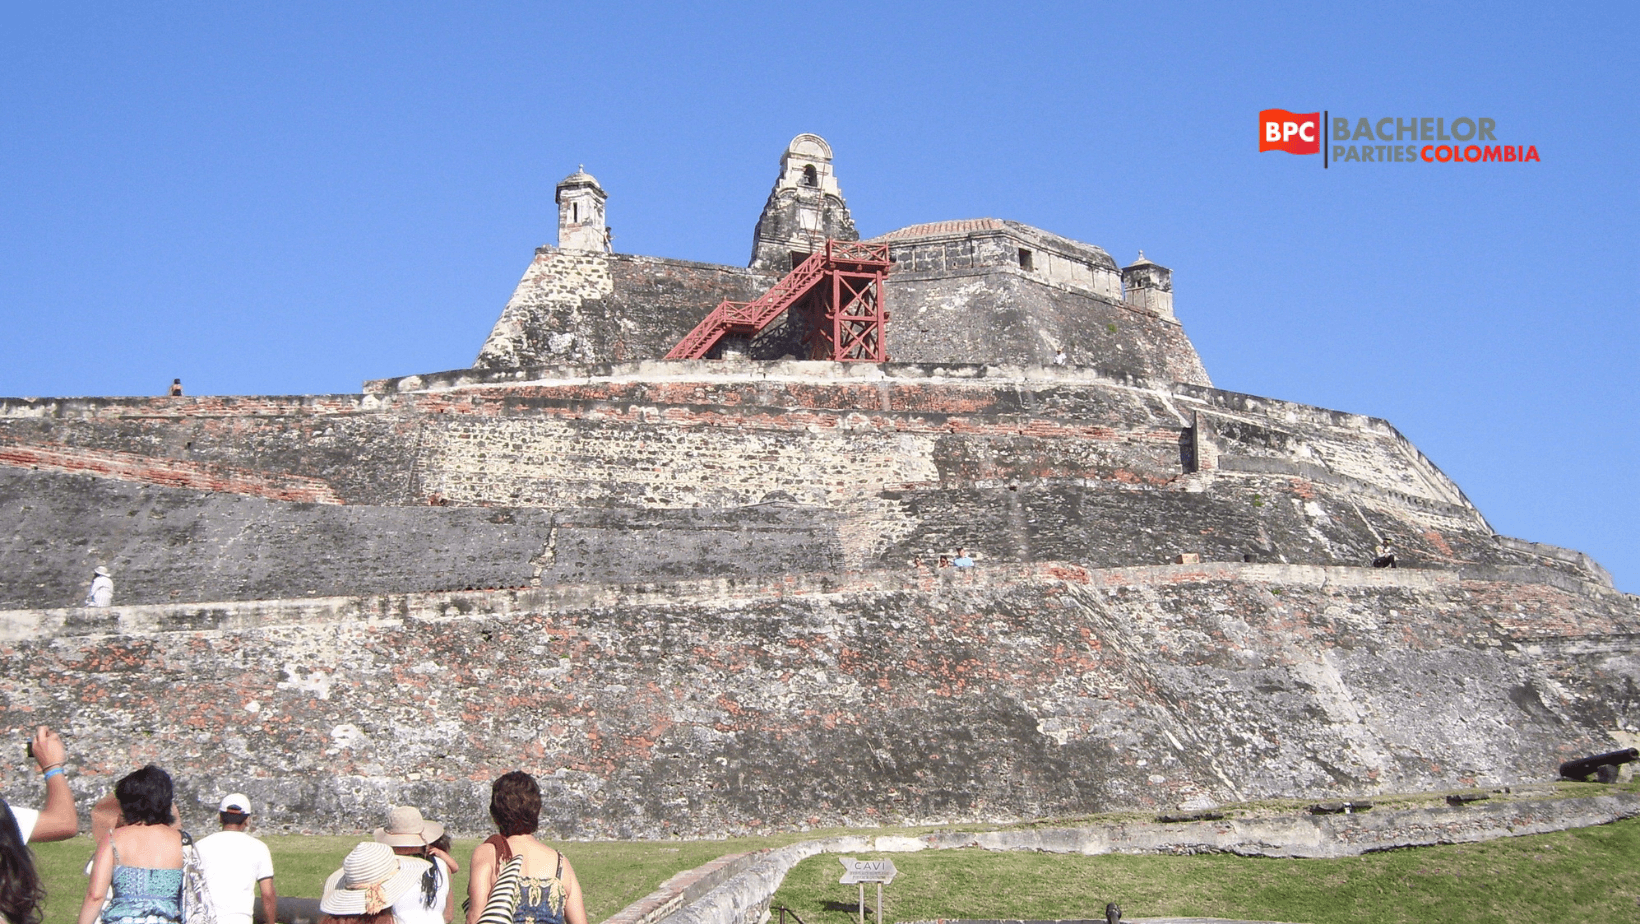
(587, 306)
(567, 476)
(740, 705)
(172, 473)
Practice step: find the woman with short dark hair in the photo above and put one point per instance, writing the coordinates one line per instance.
(141, 861)
(547, 891)
(21, 895)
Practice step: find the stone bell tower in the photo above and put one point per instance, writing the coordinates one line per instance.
(1148, 286)
(804, 208)
(581, 213)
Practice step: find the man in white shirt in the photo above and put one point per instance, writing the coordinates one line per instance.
(238, 866)
(58, 820)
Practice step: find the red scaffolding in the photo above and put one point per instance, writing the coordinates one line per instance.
(836, 294)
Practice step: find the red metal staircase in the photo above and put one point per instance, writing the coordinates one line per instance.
(837, 293)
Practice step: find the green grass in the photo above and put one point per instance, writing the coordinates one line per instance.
(1588, 874)
(1572, 876)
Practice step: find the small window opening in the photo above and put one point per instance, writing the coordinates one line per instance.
(1024, 259)
(810, 176)
(798, 256)
(575, 213)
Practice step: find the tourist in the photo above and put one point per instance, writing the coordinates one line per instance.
(21, 894)
(139, 868)
(58, 820)
(176, 388)
(1386, 555)
(238, 866)
(371, 879)
(945, 561)
(410, 835)
(547, 891)
(440, 847)
(962, 560)
(102, 588)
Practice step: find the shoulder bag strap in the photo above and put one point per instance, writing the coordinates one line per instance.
(503, 900)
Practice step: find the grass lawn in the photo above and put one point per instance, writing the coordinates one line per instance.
(1589, 874)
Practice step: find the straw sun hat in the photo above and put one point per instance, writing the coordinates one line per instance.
(406, 828)
(371, 878)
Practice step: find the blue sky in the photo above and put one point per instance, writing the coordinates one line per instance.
(292, 198)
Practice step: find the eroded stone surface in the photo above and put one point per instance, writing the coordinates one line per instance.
(717, 709)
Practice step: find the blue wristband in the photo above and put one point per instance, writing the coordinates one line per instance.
(54, 771)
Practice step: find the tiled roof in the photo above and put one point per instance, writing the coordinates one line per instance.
(936, 228)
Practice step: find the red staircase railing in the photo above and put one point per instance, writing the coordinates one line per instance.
(845, 317)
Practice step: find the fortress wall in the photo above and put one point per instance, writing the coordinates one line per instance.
(166, 543)
(892, 470)
(719, 708)
(1001, 314)
(350, 445)
(589, 307)
(126, 466)
(173, 544)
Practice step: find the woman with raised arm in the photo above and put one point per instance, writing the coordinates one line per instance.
(540, 886)
(141, 862)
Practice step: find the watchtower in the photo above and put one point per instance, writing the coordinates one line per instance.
(804, 210)
(1148, 286)
(581, 213)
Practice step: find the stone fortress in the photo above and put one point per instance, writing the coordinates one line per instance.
(700, 597)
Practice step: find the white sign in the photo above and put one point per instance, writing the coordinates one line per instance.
(859, 871)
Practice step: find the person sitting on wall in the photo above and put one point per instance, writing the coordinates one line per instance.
(1386, 555)
(176, 388)
(962, 560)
(102, 588)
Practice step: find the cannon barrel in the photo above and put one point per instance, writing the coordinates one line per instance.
(1581, 768)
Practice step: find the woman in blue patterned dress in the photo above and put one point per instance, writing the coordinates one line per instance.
(141, 862)
(549, 893)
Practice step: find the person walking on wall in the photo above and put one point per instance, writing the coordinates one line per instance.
(58, 820)
(410, 835)
(102, 588)
(238, 867)
(139, 867)
(540, 885)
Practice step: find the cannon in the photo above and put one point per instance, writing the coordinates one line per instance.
(1581, 768)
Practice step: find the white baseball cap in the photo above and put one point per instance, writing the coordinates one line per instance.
(236, 802)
